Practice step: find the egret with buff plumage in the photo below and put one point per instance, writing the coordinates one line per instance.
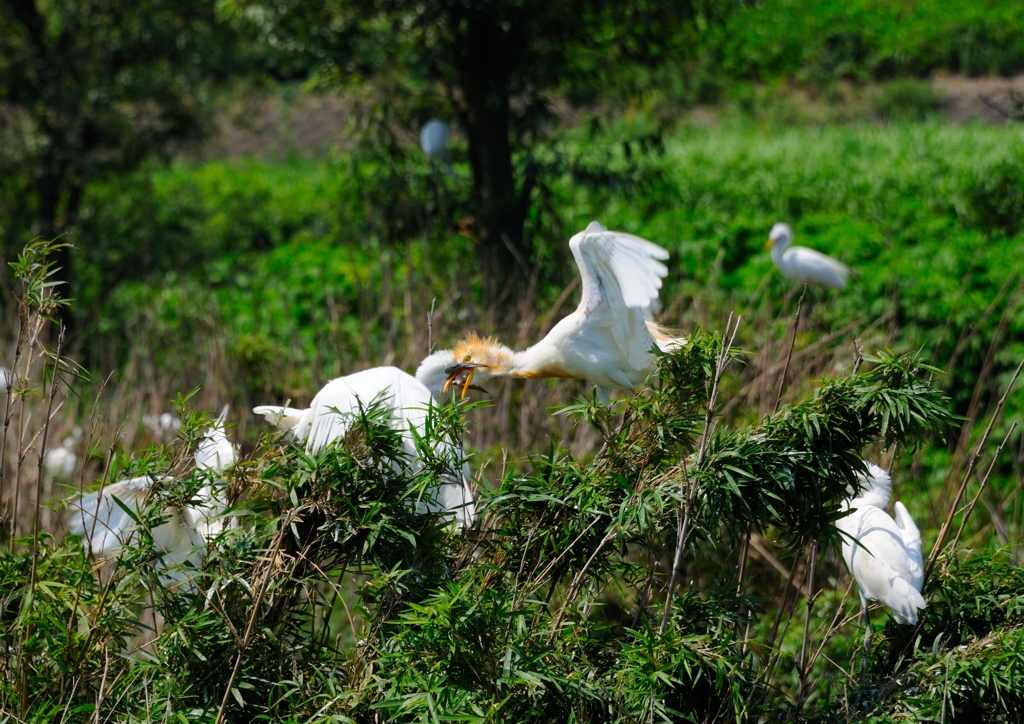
(608, 340)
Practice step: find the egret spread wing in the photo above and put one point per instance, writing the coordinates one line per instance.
(621, 275)
(104, 524)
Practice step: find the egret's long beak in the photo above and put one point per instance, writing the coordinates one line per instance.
(770, 244)
(462, 374)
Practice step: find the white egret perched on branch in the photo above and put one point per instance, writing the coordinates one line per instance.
(803, 264)
(883, 555)
(105, 525)
(608, 340)
(331, 412)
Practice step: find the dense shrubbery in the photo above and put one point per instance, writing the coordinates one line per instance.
(555, 606)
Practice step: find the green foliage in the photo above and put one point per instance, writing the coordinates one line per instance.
(996, 202)
(93, 87)
(820, 42)
(548, 610)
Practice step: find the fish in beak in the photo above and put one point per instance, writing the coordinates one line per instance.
(461, 375)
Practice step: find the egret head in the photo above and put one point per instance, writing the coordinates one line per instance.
(875, 486)
(780, 234)
(473, 360)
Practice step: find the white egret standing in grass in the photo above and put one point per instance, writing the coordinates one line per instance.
(106, 526)
(608, 340)
(330, 415)
(803, 264)
(883, 555)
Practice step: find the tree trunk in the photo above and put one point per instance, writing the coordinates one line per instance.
(483, 69)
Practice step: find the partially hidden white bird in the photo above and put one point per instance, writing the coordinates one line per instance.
(62, 461)
(608, 340)
(105, 526)
(883, 555)
(6, 380)
(803, 264)
(332, 410)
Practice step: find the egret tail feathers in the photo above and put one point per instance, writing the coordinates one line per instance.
(904, 600)
(908, 529)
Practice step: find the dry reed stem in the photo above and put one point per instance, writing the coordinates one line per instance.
(944, 531)
(720, 364)
(789, 355)
(981, 488)
(805, 667)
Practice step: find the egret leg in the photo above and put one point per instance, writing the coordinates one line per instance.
(867, 637)
(604, 395)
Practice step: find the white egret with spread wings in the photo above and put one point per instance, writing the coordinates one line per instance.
(608, 340)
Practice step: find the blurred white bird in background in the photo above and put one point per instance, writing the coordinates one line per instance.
(106, 526)
(331, 412)
(6, 380)
(434, 142)
(608, 340)
(434, 139)
(162, 426)
(803, 264)
(883, 555)
(61, 462)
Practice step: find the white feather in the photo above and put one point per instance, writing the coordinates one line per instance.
(607, 339)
